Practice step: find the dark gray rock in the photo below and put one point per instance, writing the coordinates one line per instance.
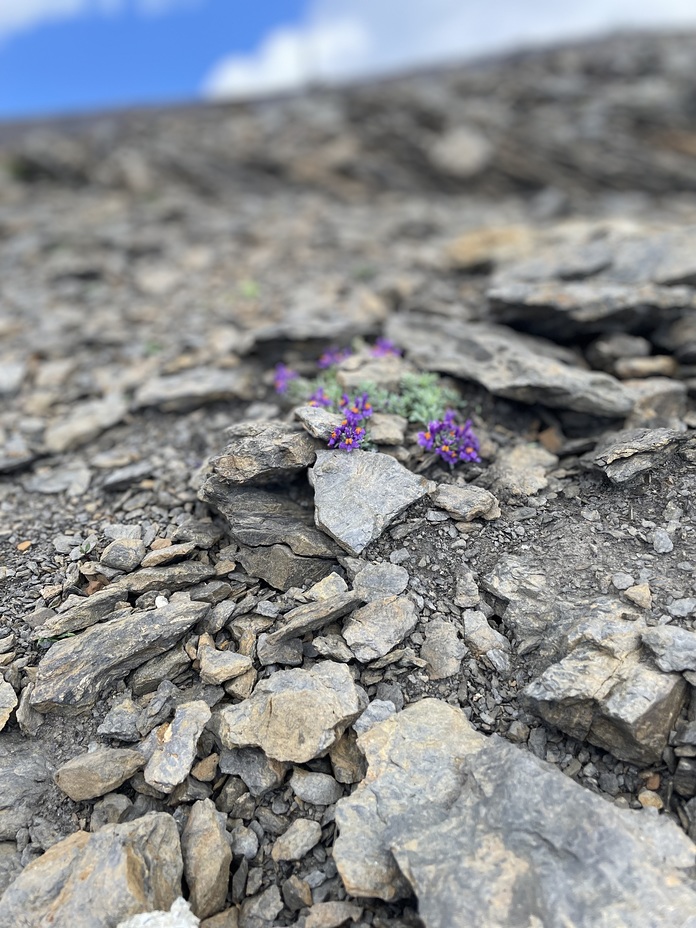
(626, 454)
(565, 311)
(361, 477)
(83, 614)
(313, 616)
(25, 777)
(281, 568)
(261, 518)
(259, 773)
(76, 671)
(377, 581)
(509, 364)
(263, 452)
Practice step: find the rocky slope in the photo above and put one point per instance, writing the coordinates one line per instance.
(294, 685)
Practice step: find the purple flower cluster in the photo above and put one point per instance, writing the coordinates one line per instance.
(319, 398)
(282, 377)
(384, 348)
(347, 437)
(350, 434)
(333, 356)
(451, 442)
(356, 409)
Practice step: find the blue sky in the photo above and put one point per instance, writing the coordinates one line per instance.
(59, 56)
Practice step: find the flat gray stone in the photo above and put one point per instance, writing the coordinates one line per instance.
(25, 777)
(263, 452)
(672, 648)
(466, 503)
(84, 422)
(501, 856)
(378, 581)
(76, 671)
(508, 364)
(318, 421)
(259, 517)
(175, 751)
(357, 495)
(294, 715)
(563, 310)
(86, 612)
(520, 471)
(319, 789)
(281, 568)
(373, 631)
(219, 666)
(193, 388)
(311, 617)
(442, 649)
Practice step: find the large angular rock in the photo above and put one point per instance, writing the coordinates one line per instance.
(207, 858)
(414, 759)
(76, 671)
(294, 715)
(357, 495)
(524, 845)
(98, 880)
(193, 388)
(25, 777)
(263, 452)
(372, 631)
(508, 364)
(472, 826)
(520, 471)
(175, 751)
(604, 693)
(97, 772)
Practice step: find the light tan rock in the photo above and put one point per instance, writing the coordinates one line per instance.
(8, 701)
(297, 841)
(467, 502)
(294, 715)
(207, 858)
(97, 772)
(98, 880)
(175, 753)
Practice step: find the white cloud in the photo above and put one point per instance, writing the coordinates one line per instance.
(289, 58)
(344, 38)
(21, 15)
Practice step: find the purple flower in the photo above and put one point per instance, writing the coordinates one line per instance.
(384, 347)
(449, 441)
(356, 409)
(319, 398)
(282, 377)
(347, 436)
(333, 356)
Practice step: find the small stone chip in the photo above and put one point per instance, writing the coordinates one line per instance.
(297, 841)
